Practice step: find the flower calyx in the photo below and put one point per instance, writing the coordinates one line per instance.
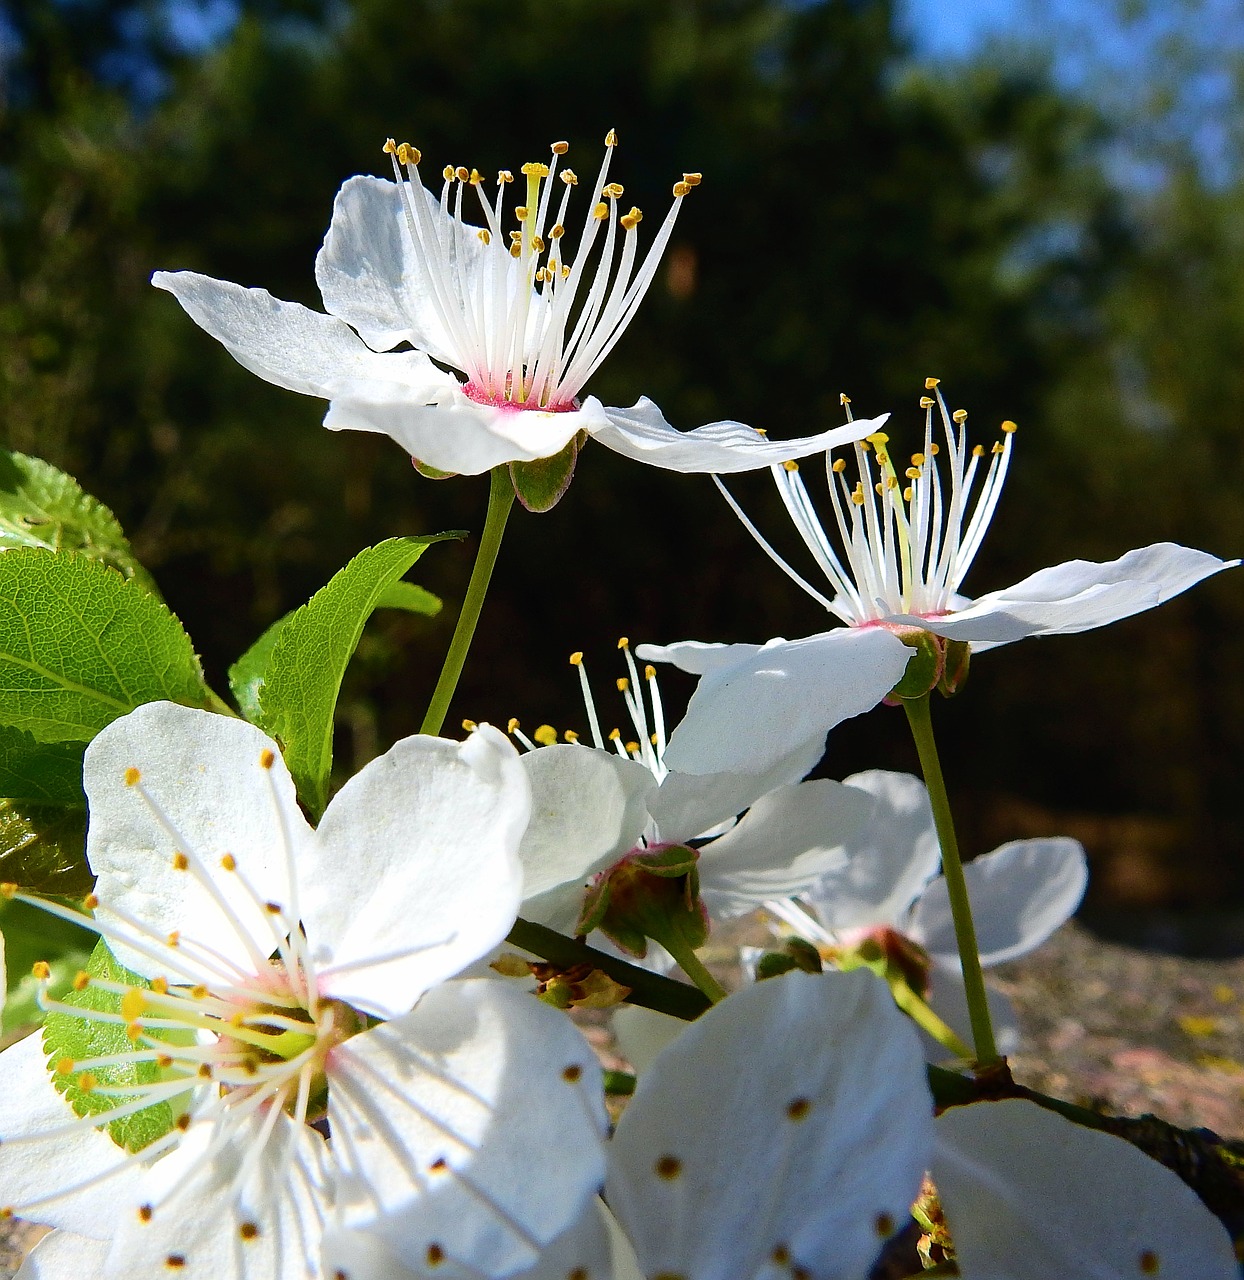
(938, 663)
(652, 893)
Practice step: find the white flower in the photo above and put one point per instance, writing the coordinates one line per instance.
(1028, 1195)
(268, 951)
(523, 315)
(888, 881)
(908, 536)
(592, 805)
(784, 1133)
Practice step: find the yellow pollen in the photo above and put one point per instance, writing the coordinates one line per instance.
(917, 459)
(476, 178)
(133, 1003)
(615, 735)
(650, 672)
(448, 173)
(534, 169)
(840, 465)
(930, 383)
(612, 189)
(41, 970)
(266, 759)
(601, 211)
(537, 244)
(516, 250)
(159, 986)
(878, 486)
(997, 447)
(878, 438)
(390, 147)
(576, 658)
(87, 1082)
(611, 138)
(469, 726)
(557, 232)
(229, 862)
(797, 1108)
(907, 494)
(843, 398)
(960, 416)
(570, 736)
(560, 148)
(791, 465)
(632, 748)
(237, 1019)
(545, 735)
(624, 642)
(462, 173)
(857, 495)
(512, 725)
(133, 1032)
(912, 473)
(180, 861)
(631, 220)
(199, 992)
(485, 235)
(682, 189)
(693, 179)
(65, 1067)
(623, 684)
(1009, 427)
(144, 1212)
(935, 449)
(926, 402)
(652, 737)
(978, 450)
(520, 212)
(131, 776)
(173, 939)
(668, 1167)
(406, 154)
(439, 1165)
(81, 980)
(504, 176)
(569, 177)
(90, 902)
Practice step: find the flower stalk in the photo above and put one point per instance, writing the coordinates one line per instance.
(500, 500)
(921, 722)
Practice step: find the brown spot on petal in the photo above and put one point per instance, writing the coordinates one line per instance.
(266, 759)
(144, 1212)
(175, 1261)
(668, 1167)
(572, 1073)
(797, 1108)
(435, 1255)
(579, 1273)
(780, 1254)
(248, 1230)
(1149, 1263)
(884, 1225)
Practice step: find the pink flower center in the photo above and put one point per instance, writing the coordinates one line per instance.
(477, 393)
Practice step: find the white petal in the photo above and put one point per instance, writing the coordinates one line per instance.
(888, 862)
(643, 1033)
(296, 348)
(1029, 1195)
(642, 433)
(415, 870)
(65, 1256)
(368, 273)
(202, 791)
(746, 717)
(1020, 893)
(812, 1139)
(269, 1227)
(783, 844)
(455, 433)
(587, 809)
(30, 1170)
(1080, 595)
(948, 999)
(472, 1124)
(697, 656)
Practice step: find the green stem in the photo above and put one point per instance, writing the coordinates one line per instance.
(693, 967)
(924, 1017)
(500, 500)
(921, 721)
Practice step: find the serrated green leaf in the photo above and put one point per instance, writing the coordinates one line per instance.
(68, 1037)
(304, 670)
(410, 598)
(43, 507)
(29, 935)
(80, 645)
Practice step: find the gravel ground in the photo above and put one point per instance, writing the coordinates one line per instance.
(1125, 1030)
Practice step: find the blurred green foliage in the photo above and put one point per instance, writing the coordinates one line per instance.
(863, 222)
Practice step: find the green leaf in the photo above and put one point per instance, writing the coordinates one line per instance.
(80, 645)
(43, 507)
(30, 935)
(68, 1037)
(304, 670)
(42, 815)
(246, 676)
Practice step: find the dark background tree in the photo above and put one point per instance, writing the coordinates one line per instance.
(863, 222)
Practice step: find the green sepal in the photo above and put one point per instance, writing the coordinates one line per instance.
(429, 472)
(958, 654)
(654, 893)
(289, 687)
(773, 964)
(67, 1036)
(541, 485)
(81, 645)
(924, 667)
(43, 507)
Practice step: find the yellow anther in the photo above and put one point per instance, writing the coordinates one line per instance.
(512, 725)
(557, 232)
(8, 889)
(611, 138)
(390, 147)
(569, 177)
(159, 986)
(912, 473)
(90, 902)
(476, 178)
(199, 992)
(537, 244)
(693, 179)
(926, 402)
(623, 684)
(878, 438)
(516, 250)
(180, 861)
(462, 173)
(576, 658)
(164, 1061)
(632, 748)
(266, 759)
(601, 211)
(615, 735)
(560, 148)
(248, 1230)
(131, 776)
(229, 862)
(1009, 427)
(907, 494)
(133, 1004)
(631, 220)
(534, 169)
(839, 466)
(237, 1019)
(406, 154)
(612, 189)
(541, 274)
(960, 416)
(935, 449)
(516, 239)
(978, 450)
(857, 494)
(545, 735)
(205, 1071)
(650, 672)
(682, 189)
(797, 1108)
(761, 431)
(891, 482)
(997, 447)
(65, 1067)
(81, 980)
(930, 383)
(791, 465)
(485, 235)
(624, 642)
(843, 398)
(504, 176)
(174, 939)
(42, 970)
(448, 173)
(133, 1032)
(570, 736)
(520, 212)
(87, 1082)
(652, 737)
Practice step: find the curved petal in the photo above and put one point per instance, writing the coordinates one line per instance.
(452, 432)
(65, 1256)
(414, 872)
(443, 1150)
(1080, 595)
(818, 1126)
(642, 433)
(195, 1211)
(296, 348)
(784, 843)
(1020, 893)
(1029, 1195)
(172, 790)
(587, 809)
(746, 717)
(30, 1170)
(697, 656)
(888, 861)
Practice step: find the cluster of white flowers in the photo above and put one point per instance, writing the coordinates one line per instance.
(276, 1066)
